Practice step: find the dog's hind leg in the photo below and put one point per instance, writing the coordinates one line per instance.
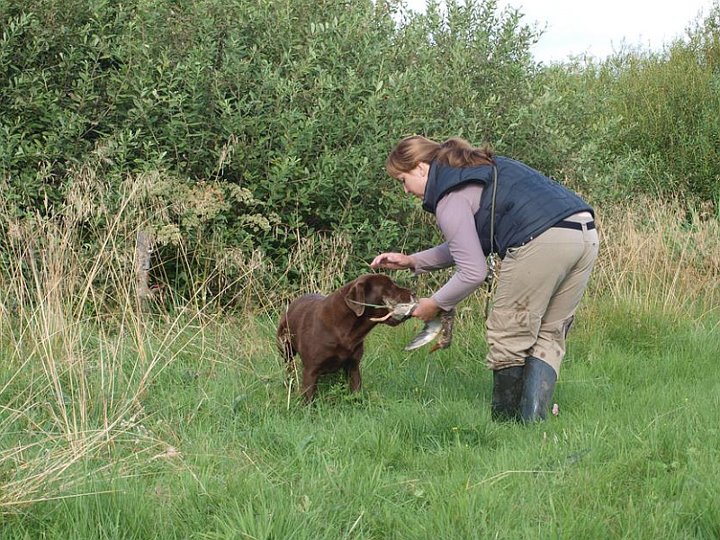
(309, 384)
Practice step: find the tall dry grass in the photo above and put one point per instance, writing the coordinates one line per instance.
(79, 348)
(659, 256)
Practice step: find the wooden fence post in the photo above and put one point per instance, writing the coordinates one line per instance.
(143, 250)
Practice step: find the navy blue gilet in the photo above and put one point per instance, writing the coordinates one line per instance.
(527, 202)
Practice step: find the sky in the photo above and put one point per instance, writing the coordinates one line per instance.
(600, 27)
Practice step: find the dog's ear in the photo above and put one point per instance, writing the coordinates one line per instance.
(355, 297)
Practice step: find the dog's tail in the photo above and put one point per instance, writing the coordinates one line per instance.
(284, 345)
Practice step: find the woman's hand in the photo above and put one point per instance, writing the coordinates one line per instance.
(426, 309)
(393, 261)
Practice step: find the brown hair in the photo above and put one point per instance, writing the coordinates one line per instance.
(455, 152)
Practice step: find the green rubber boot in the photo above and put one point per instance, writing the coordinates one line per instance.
(538, 388)
(507, 390)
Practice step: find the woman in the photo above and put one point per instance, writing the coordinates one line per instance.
(545, 236)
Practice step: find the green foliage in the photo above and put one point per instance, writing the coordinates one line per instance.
(295, 103)
(668, 105)
(643, 122)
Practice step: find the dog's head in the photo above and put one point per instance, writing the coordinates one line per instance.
(374, 296)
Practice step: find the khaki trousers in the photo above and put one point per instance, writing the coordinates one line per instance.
(539, 287)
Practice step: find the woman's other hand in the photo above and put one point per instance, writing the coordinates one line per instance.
(393, 261)
(426, 309)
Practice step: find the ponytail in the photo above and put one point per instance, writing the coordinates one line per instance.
(455, 152)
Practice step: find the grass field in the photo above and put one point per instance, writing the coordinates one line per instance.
(219, 450)
(114, 426)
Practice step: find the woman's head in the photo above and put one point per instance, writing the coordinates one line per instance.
(408, 153)
(416, 149)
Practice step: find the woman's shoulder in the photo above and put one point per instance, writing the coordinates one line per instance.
(466, 196)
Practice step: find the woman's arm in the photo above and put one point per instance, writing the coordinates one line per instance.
(456, 218)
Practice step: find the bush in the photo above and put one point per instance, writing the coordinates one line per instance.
(279, 115)
(295, 102)
(650, 120)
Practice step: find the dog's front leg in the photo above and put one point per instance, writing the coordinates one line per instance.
(352, 370)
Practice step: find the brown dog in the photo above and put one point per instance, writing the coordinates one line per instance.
(328, 331)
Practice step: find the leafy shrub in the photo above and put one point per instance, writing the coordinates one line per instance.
(649, 120)
(276, 117)
(295, 103)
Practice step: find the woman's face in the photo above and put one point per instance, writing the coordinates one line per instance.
(414, 181)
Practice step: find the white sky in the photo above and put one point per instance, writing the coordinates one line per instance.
(601, 27)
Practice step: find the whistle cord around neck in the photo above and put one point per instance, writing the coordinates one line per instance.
(366, 304)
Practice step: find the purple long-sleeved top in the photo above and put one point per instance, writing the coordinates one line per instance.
(455, 214)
